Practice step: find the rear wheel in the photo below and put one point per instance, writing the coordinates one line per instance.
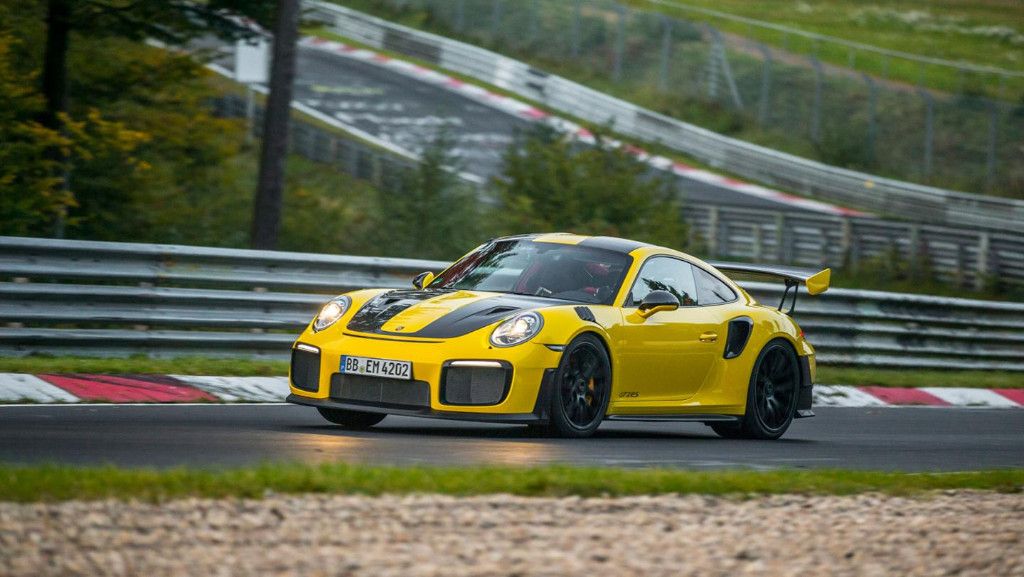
(351, 419)
(582, 387)
(771, 395)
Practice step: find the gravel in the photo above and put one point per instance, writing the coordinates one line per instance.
(949, 533)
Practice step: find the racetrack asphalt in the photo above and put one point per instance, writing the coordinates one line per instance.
(906, 439)
(410, 113)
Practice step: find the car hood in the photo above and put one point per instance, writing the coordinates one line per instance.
(439, 313)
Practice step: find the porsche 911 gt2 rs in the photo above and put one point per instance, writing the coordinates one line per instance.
(562, 331)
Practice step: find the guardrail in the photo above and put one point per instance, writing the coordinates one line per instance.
(881, 195)
(113, 299)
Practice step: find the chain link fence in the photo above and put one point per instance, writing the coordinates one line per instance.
(962, 140)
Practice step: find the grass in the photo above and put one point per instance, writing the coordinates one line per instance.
(138, 365)
(831, 375)
(57, 483)
(957, 30)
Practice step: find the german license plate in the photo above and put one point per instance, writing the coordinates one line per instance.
(376, 367)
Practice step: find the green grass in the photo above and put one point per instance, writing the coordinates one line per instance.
(947, 29)
(57, 483)
(831, 375)
(862, 376)
(144, 365)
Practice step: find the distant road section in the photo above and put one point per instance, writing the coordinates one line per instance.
(407, 105)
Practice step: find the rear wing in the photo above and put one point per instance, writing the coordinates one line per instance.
(816, 282)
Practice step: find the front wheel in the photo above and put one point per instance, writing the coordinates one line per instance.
(582, 387)
(771, 395)
(351, 419)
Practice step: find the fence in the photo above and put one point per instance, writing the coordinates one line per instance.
(965, 141)
(115, 299)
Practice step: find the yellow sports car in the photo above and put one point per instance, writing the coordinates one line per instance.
(561, 332)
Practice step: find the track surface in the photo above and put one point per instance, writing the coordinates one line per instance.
(409, 113)
(912, 439)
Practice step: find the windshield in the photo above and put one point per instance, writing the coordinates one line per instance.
(521, 266)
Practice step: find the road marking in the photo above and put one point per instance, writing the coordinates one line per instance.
(964, 397)
(843, 396)
(18, 387)
(126, 389)
(259, 389)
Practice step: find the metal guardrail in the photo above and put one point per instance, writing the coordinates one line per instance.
(113, 299)
(957, 256)
(881, 195)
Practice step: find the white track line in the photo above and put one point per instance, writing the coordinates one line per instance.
(964, 397)
(257, 389)
(19, 387)
(844, 396)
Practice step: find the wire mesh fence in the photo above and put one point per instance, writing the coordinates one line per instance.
(960, 139)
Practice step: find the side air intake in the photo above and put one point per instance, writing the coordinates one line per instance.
(739, 334)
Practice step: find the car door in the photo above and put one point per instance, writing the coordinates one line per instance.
(667, 356)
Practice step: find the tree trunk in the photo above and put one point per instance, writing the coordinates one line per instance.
(267, 207)
(55, 66)
(55, 88)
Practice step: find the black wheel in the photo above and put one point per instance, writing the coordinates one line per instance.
(771, 395)
(351, 419)
(581, 388)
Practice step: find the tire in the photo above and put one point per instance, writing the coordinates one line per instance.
(771, 395)
(582, 387)
(351, 419)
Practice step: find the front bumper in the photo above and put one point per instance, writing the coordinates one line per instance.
(538, 416)
(318, 383)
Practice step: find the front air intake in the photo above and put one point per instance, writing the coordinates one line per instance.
(475, 382)
(305, 371)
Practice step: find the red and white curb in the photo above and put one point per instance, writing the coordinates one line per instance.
(527, 111)
(81, 388)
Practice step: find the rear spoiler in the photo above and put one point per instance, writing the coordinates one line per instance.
(816, 282)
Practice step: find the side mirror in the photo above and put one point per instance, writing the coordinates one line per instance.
(657, 301)
(423, 280)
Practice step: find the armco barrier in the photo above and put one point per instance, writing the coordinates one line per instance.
(113, 299)
(880, 195)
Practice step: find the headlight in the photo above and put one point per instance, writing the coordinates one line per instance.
(331, 312)
(517, 329)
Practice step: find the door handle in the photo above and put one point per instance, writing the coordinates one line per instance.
(708, 337)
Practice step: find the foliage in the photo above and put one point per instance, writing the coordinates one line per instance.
(29, 196)
(430, 212)
(169, 21)
(26, 177)
(550, 184)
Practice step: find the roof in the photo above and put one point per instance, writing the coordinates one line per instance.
(610, 243)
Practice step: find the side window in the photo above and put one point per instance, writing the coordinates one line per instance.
(710, 290)
(664, 274)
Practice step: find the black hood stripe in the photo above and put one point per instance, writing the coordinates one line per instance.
(464, 320)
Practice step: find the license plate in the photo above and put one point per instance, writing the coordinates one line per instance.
(376, 367)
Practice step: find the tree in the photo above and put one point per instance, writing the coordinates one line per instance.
(430, 212)
(551, 184)
(29, 196)
(266, 220)
(169, 21)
